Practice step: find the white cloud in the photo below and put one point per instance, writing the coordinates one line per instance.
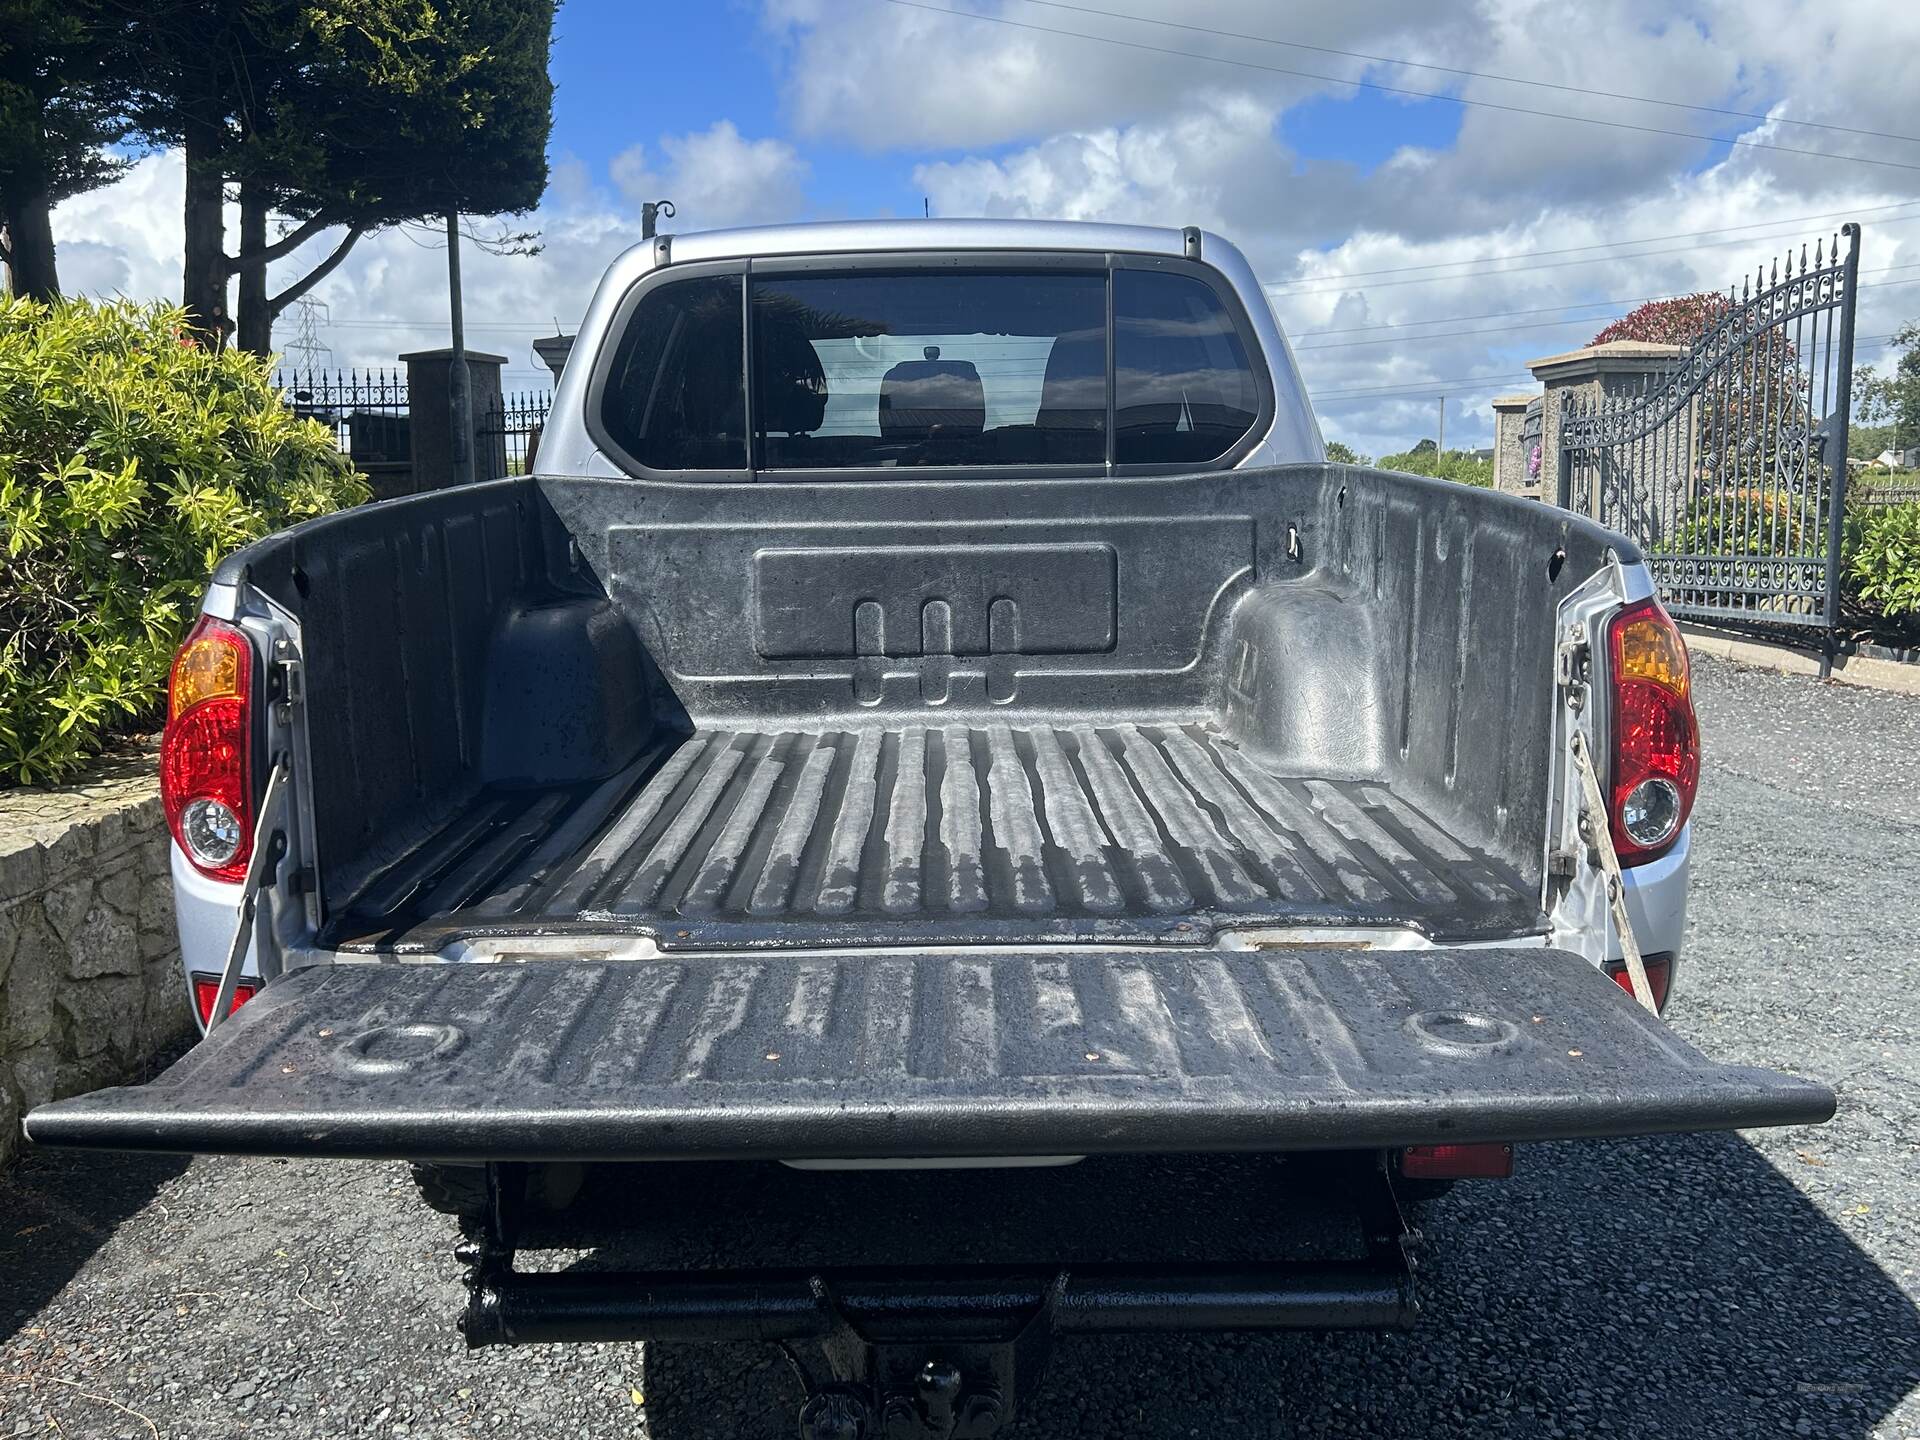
(887, 76)
(717, 178)
(1192, 168)
(1214, 152)
(125, 239)
(390, 295)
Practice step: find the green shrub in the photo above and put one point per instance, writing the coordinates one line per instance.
(1883, 558)
(1458, 465)
(131, 460)
(1750, 521)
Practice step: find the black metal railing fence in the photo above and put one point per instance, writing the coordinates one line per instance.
(509, 432)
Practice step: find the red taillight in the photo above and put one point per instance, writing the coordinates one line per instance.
(206, 989)
(1659, 977)
(206, 781)
(1457, 1162)
(1656, 741)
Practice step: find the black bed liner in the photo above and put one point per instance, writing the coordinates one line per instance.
(1123, 831)
(992, 1052)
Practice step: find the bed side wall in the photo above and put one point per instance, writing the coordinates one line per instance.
(1417, 649)
(448, 644)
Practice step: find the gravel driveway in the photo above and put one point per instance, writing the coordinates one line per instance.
(1716, 1285)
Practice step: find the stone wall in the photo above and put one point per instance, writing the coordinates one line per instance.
(90, 985)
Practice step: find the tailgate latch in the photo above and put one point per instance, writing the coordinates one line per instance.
(1571, 664)
(290, 679)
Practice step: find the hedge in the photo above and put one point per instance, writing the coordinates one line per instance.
(131, 460)
(1882, 556)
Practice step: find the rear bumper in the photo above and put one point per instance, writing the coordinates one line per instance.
(1656, 895)
(860, 1055)
(205, 913)
(793, 1305)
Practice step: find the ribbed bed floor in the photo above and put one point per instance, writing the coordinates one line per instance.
(964, 833)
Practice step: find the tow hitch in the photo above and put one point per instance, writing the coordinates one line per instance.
(924, 1353)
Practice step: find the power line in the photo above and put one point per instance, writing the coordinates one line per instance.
(1400, 89)
(1457, 334)
(441, 323)
(1515, 269)
(1423, 387)
(520, 325)
(1474, 74)
(1488, 315)
(1545, 324)
(1795, 220)
(1272, 286)
(1426, 389)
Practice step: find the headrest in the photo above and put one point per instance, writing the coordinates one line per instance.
(790, 385)
(1073, 395)
(916, 396)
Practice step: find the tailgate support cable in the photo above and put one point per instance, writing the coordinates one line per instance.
(1593, 829)
(267, 849)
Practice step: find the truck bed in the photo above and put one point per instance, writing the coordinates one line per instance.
(950, 833)
(930, 710)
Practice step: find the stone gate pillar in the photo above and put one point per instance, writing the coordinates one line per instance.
(1510, 446)
(1617, 368)
(429, 400)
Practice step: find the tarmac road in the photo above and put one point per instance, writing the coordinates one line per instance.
(1715, 1285)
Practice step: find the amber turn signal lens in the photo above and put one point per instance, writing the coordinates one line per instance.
(207, 668)
(1648, 647)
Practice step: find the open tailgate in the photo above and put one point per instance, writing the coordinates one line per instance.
(890, 1054)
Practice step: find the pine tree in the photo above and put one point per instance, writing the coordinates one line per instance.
(58, 111)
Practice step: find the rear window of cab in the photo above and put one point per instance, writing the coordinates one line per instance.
(875, 369)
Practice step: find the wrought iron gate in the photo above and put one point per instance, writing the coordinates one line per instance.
(1730, 468)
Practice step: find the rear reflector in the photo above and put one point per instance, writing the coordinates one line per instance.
(1456, 1162)
(206, 989)
(1659, 976)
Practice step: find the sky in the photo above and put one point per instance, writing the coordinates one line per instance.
(1418, 184)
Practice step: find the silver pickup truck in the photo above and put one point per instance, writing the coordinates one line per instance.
(933, 705)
